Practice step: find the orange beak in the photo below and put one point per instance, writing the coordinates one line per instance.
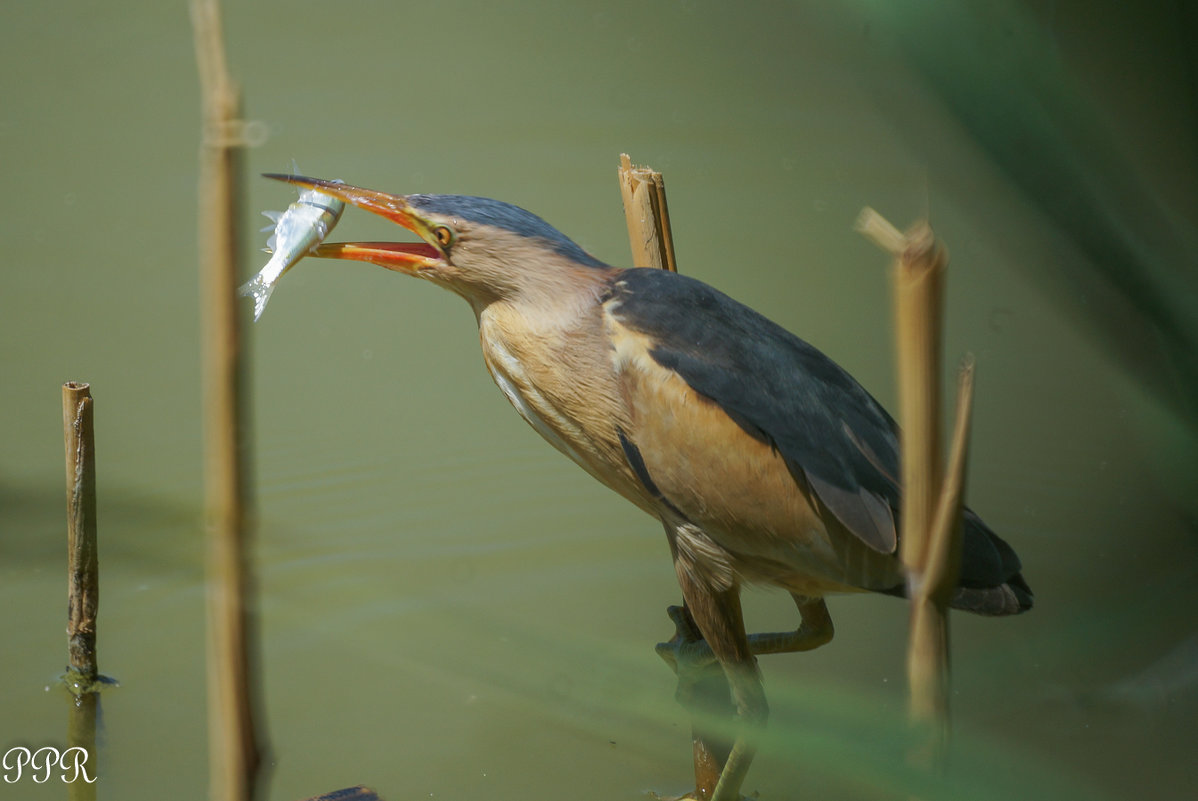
(405, 257)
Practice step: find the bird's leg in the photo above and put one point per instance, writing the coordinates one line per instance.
(752, 713)
(815, 630)
(704, 690)
(688, 647)
(717, 614)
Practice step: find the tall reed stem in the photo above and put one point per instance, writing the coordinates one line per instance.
(931, 510)
(234, 740)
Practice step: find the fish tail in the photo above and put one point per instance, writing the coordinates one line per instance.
(260, 291)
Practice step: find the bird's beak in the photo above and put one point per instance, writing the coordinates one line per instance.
(404, 257)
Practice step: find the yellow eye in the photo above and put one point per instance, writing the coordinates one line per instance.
(444, 235)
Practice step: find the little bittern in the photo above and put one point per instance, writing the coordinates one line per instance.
(764, 460)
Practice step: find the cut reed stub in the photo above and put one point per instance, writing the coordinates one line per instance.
(83, 569)
(643, 190)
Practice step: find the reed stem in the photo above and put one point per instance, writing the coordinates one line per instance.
(932, 497)
(234, 744)
(643, 190)
(83, 560)
(708, 699)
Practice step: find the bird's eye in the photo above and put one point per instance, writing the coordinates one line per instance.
(444, 235)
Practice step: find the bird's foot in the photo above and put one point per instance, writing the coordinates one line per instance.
(688, 655)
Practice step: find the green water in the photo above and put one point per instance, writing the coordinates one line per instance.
(449, 609)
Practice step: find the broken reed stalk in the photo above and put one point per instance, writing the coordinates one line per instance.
(918, 299)
(83, 559)
(83, 576)
(944, 547)
(928, 644)
(931, 509)
(643, 190)
(234, 749)
(644, 193)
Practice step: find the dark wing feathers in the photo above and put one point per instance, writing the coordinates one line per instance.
(837, 440)
(778, 389)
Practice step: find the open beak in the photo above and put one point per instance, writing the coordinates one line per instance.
(404, 257)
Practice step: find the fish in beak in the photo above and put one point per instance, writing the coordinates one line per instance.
(409, 258)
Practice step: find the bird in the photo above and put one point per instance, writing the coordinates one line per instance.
(764, 460)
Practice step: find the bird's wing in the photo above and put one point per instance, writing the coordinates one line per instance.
(838, 443)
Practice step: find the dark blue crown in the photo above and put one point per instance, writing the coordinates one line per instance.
(498, 214)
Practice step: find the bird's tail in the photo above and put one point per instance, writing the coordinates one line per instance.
(990, 582)
(1012, 597)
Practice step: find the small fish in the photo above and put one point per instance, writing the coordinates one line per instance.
(297, 232)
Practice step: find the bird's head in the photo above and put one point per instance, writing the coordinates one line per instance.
(482, 249)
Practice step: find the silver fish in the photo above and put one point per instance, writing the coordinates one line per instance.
(297, 232)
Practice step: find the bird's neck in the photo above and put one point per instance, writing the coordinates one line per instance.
(553, 363)
(544, 297)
